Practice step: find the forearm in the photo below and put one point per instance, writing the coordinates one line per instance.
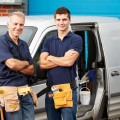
(27, 70)
(16, 64)
(60, 61)
(65, 61)
(44, 63)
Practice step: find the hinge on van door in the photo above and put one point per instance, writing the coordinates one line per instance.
(115, 73)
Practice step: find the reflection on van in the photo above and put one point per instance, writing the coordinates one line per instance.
(98, 66)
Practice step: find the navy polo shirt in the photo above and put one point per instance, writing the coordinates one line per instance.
(56, 47)
(8, 49)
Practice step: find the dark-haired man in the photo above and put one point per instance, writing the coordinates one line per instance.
(59, 55)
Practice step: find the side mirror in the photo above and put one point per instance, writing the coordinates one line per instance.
(40, 73)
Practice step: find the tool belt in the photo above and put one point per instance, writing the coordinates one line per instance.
(63, 98)
(9, 97)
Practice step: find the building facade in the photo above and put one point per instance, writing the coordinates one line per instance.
(77, 7)
(8, 6)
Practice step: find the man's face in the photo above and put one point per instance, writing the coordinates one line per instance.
(15, 26)
(62, 22)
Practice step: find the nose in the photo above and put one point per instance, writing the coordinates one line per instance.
(18, 26)
(61, 21)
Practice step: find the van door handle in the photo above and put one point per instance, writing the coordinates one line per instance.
(115, 73)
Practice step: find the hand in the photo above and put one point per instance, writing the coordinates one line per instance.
(69, 52)
(34, 97)
(49, 58)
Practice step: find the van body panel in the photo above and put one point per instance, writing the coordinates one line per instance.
(110, 37)
(35, 44)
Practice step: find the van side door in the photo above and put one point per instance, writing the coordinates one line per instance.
(110, 39)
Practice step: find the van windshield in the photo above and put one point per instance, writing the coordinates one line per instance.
(27, 34)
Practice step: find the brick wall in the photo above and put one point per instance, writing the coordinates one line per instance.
(5, 10)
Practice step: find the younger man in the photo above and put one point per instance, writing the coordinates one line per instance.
(59, 55)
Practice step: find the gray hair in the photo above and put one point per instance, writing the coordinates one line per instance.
(18, 13)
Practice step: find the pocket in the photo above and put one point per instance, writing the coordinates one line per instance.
(11, 103)
(69, 96)
(59, 98)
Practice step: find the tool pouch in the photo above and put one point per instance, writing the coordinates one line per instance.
(63, 98)
(11, 102)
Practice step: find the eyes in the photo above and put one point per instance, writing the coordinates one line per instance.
(17, 24)
(61, 20)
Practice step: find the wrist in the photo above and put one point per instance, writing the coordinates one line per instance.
(49, 57)
(27, 63)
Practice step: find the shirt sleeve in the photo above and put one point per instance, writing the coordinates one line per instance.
(45, 47)
(77, 43)
(28, 55)
(4, 50)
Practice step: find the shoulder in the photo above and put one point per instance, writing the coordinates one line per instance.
(23, 42)
(49, 39)
(3, 39)
(76, 38)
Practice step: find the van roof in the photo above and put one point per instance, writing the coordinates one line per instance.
(49, 20)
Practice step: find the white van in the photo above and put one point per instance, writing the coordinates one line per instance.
(98, 65)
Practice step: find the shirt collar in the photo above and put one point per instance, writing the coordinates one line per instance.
(69, 34)
(7, 35)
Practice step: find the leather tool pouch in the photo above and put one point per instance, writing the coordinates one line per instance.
(11, 102)
(63, 98)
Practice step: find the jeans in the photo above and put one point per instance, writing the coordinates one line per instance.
(61, 113)
(26, 111)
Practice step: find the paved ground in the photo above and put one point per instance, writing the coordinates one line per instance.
(40, 116)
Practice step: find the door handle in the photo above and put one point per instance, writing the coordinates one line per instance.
(115, 73)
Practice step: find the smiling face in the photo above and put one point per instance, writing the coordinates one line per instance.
(15, 26)
(62, 22)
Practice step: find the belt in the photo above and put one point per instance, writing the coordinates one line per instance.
(22, 90)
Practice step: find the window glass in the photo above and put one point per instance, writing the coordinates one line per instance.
(27, 34)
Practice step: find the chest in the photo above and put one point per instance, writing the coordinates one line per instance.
(59, 47)
(18, 52)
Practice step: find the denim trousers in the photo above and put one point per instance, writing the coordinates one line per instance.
(61, 113)
(26, 111)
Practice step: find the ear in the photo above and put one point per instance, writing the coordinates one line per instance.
(8, 24)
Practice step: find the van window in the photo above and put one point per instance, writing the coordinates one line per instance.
(27, 34)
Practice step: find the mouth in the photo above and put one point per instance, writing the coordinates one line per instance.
(18, 32)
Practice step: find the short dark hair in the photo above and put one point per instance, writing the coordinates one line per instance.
(62, 10)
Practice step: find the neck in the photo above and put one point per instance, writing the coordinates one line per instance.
(14, 38)
(62, 34)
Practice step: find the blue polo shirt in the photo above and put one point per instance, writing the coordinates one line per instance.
(56, 47)
(8, 49)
